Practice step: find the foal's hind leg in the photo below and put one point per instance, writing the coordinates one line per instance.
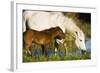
(27, 49)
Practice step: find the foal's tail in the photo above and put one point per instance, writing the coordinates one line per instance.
(27, 26)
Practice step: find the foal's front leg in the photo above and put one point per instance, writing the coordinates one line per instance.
(44, 50)
(56, 46)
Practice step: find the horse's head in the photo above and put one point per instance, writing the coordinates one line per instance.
(70, 26)
(80, 40)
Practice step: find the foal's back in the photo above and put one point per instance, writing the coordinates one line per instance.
(55, 32)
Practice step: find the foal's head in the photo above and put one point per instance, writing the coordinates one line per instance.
(57, 33)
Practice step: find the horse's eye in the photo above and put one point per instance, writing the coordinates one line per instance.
(80, 40)
(76, 32)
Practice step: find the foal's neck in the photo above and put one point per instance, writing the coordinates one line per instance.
(54, 34)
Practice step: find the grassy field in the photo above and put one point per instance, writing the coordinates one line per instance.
(73, 54)
(52, 57)
(71, 47)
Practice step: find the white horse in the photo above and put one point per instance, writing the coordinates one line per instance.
(40, 20)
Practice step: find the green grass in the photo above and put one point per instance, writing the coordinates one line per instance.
(55, 58)
(52, 57)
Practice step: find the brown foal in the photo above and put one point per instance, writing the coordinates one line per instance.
(42, 38)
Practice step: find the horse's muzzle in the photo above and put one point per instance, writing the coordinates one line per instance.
(83, 51)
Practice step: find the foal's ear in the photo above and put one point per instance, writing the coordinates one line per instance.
(57, 27)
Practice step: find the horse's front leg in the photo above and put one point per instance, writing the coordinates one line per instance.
(56, 50)
(66, 49)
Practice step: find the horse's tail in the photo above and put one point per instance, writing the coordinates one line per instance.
(27, 26)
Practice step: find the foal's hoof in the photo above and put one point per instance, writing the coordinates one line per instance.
(29, 53)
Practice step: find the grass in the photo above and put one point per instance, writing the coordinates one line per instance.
(61, 56)
(55, 58)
